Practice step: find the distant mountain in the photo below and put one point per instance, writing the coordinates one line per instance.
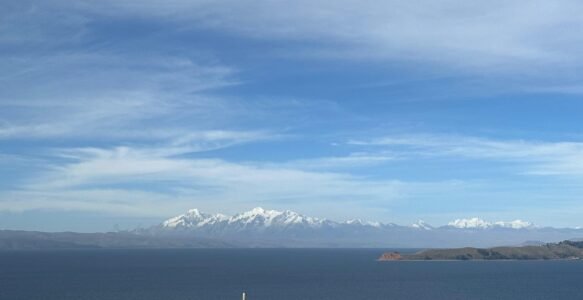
(422, 225)
(479, 223)
(34, 240)
(255, 219)
(270, 228)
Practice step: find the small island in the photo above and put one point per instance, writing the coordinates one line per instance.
(565, 250)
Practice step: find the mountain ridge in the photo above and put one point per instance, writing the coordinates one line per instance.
(266, 217)
(261, 227)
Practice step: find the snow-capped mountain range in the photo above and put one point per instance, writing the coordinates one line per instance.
(271, 228)
(257, 217)
(479, 223)
(262, 218)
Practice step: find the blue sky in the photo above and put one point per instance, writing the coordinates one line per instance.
(127, 112)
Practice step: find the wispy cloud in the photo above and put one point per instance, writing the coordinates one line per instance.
(107, 176)
(123, 106)
(535, 157)
(350, 161)
(497, 35)
(108, 96)
(33, 23)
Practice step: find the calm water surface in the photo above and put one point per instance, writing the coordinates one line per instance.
(275, 274)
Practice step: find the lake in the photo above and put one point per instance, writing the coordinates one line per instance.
(275, 274)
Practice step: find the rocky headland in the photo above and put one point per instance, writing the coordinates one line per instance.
(563, 250)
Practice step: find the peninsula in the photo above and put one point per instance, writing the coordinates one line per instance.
(562, 250)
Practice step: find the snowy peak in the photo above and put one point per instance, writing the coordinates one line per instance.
(360, 222)
(255, 218)
(516, 224)
(290, 217)
(193, 218)
(422, 225)
(477, 223)
(265, 218)
(354, 222)
(470, 223)
(261, 227)
(260, 218)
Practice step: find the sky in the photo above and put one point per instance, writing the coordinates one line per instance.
(116, 114)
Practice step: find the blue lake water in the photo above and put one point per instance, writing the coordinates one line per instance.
(275, 274)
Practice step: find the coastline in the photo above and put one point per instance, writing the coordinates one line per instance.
(565, 250)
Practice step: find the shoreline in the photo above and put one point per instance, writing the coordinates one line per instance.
(480, 260)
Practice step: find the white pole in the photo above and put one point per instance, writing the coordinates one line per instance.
(244, 296)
